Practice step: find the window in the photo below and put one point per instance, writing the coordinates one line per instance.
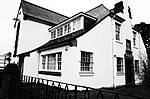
(86, 61)
(119, 65)
(77, 24)
(52, 61)
(136, 63)
(134, 38)
(67, 28)
(59, 31)
(53, 34)
(59, 61)
(43, 61)
(117, 30)
(128, 45)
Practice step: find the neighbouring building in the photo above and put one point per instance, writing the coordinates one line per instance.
(4, 60)
(97, 48)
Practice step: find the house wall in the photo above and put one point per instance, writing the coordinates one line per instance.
(102, 58)
(99, 41)
(119, 48)
(31, 35)
(69, 65)
(31, 65)
(139, 52)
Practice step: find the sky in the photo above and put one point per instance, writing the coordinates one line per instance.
(8, 9)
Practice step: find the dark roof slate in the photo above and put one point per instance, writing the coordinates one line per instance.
(41, 13)
(99, 12)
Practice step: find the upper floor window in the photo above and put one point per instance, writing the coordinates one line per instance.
(118, 31)
(67, 28)
(120, 65)
(53, 34)
(128, 45)
(60, 31)
(77, 24)
(134, 38)
(86, 61)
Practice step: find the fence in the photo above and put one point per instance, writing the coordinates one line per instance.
(38, 88)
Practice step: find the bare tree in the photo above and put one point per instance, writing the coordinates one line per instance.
(144, 30)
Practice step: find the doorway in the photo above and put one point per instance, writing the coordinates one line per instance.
(129, 71)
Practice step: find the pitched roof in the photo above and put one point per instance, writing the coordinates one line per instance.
(100, 13)
(41, 13)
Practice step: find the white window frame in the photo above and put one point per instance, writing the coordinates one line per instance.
(120, 66)
(43, 61)
(52, 66)
(77, 24)
(60, 31)
(67, 28)
(53, 34)
(118, 32)
(86, 62)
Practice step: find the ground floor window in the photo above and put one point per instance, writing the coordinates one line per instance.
(86, 61)
(43, 61)
(120, 68)
(136, 64)
(52, 61)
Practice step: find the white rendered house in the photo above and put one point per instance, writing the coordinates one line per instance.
(96, 48)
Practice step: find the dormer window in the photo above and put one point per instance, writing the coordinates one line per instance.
(53, 34)
(60, 31)
(77, 24)
(67, 28)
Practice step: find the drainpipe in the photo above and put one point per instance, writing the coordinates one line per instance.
(113, 51)
(16, 39)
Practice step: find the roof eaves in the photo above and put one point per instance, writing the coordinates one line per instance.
(41, 13)
(134, 28)
(39, 18)
(44, 8)
(118, 18)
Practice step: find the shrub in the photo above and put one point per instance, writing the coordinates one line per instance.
(144, 75)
